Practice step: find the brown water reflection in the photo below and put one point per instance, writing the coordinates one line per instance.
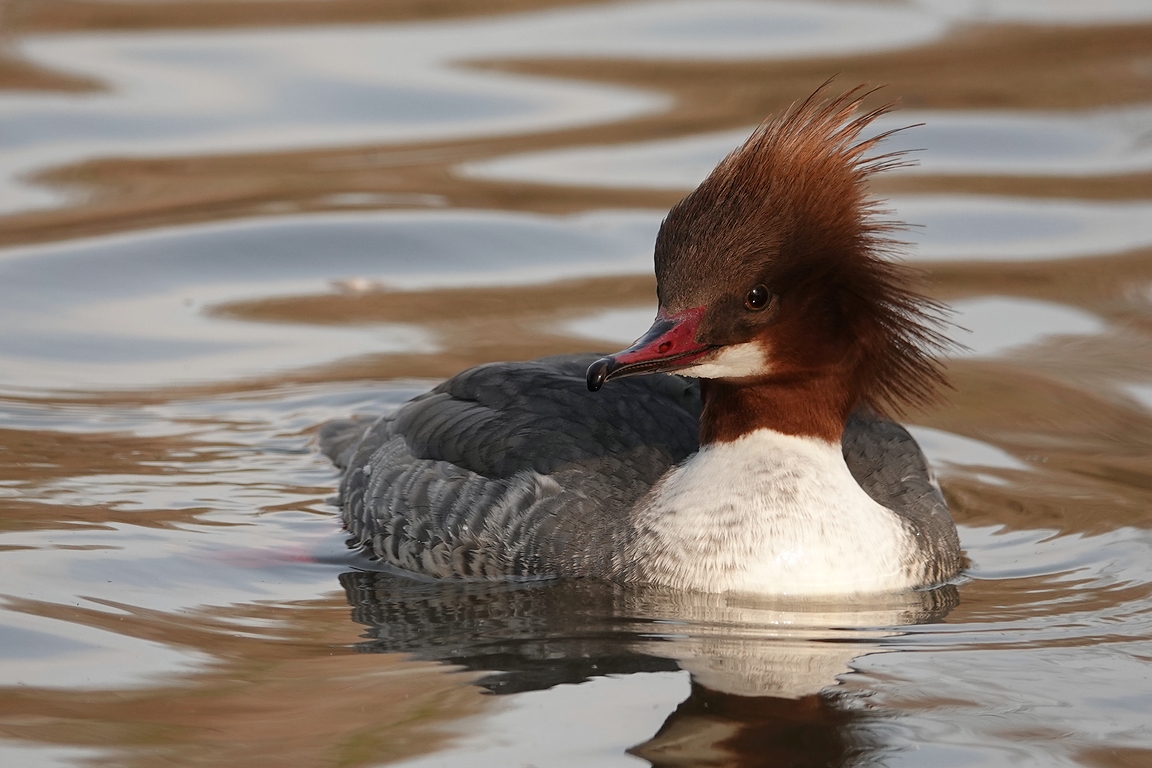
(175, 585)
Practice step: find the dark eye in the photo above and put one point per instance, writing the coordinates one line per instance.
(757, 298)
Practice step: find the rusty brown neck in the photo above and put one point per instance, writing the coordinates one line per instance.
(812, 407)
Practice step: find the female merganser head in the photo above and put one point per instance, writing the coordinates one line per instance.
(775, 286)
(774, 475)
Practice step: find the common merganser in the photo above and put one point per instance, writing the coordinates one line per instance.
(752, 457)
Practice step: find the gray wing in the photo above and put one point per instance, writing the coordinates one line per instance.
(890, 467)
(512, 469)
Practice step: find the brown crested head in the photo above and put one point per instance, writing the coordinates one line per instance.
(782, 252)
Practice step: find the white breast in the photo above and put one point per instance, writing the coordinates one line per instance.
(772, 514)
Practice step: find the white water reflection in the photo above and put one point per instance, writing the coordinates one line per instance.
(987, 228)
(1042, 11)
(1142, 392)
(1106, 141)
(592, 723)
(162, 341)
(36, 651)
(666, 164)
(619, 326)
(33, 756)
(990, 326)
(180, 93)
(948, 449)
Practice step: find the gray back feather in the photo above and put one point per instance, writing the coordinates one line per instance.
(512, 469)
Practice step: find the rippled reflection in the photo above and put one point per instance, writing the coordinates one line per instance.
(756, 670)
(241, 91)
(218, 235)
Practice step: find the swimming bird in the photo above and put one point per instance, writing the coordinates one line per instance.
(737, 446)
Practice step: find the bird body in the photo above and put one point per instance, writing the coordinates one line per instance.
(750, 457)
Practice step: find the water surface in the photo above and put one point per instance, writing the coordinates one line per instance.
(223, 224)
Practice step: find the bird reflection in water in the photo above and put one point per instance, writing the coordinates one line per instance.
(763, 673)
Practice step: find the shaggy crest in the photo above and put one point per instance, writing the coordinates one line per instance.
(791, 206)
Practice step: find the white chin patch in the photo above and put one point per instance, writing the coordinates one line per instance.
(735, 362)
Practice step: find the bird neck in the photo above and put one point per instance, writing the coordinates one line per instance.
(813, 406)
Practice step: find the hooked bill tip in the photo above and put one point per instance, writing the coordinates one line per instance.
(598, 373)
